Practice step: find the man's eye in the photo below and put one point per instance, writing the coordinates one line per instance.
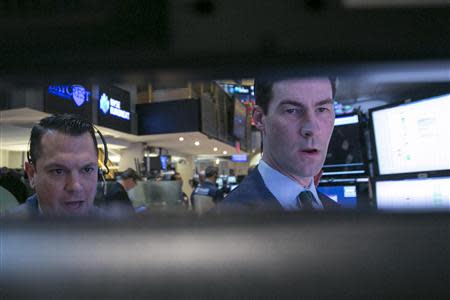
(322, 109)
(292, 110)
(57, 171)
(89, 170)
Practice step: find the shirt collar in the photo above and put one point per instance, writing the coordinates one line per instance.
(284, 188)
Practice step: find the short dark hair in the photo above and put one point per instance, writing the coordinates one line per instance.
(68, 124)
(263, 90)
(130, 173)
(176, 176)
(211, 171)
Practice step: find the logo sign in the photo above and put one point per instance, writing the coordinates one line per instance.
(104, 103)
(78, 93)
(112, 106)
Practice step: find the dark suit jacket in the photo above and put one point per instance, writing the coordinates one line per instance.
(116, 200)
(252, 195)
(209, 189)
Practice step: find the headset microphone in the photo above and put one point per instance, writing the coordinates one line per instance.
(101, 174)
(105, 162)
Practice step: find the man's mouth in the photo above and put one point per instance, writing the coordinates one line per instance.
(310, 150)
(73, 205)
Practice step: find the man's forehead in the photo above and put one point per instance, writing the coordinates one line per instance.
(52, 134)
(56, 141)
(310, 87)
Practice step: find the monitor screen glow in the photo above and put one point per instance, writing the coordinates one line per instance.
(414, 194)
(345, 155)
(413, 137)
(231, 179)
(239, 158)
(345, 195)
(239, 120)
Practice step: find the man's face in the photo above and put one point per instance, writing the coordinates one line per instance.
(128, 184)
(297, 127)
(65, 174)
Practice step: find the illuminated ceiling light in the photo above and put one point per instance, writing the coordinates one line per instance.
(225, 152)
(217, 161)
(215, 149)
(197, 143)
(181, 138)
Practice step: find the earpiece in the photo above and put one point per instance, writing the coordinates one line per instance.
(101, 175)
(105, 150)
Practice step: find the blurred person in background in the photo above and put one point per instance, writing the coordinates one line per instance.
(209, 186)
(116, 200)
(12, 181)
(183, 197)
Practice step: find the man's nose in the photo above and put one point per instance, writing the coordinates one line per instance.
(309, 125)
(73, 183)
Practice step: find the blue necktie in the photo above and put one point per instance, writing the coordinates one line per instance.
(305, 201)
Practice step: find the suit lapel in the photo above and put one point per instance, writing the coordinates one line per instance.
(265, 199)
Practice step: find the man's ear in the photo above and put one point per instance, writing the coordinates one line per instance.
(259, 119)
(30, 170)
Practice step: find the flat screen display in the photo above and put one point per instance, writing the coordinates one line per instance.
(114, 108)
(345, 154)
(345, 195)
(164, 161)
(231, 179)
(156, 163)
(239, 158)
(69, 98)
(219, 182)
(239, 120)
(413, 194)
(413, 137)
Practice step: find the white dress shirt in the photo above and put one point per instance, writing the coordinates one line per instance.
(285, 189)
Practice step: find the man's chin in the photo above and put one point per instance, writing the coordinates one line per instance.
(80, 212)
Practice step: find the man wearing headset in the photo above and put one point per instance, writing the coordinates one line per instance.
(62, 168)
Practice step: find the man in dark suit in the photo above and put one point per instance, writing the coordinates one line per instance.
(208, 187)
(296, 119)
(116, 200)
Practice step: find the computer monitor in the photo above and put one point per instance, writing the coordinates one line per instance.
(219, 182)
(345, 151)
(231, 179)
(345, 195)
(155, 163)
(239, 158)
(413, 194)
(412, 137)
(165, 160)
(239, 120)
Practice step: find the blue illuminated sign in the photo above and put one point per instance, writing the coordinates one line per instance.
(112, 106)
(239, 157)
(77, 93)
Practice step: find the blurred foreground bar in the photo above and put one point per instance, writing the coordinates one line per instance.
(271, 256)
